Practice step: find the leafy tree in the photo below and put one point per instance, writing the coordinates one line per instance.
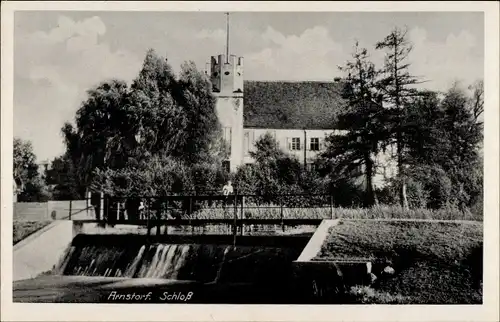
(277, 173)
(26, 174)
(443, 155)
(397, 88)
(160, 118)
(159, 122)
(62, 176)
(363, 122)
(477, 100)
(266, 150)
(272, 173)
(424, 135)
(97, 140)
(203, 129)
(462, 158)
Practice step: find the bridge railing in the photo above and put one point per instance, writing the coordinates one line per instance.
(217, 206)
(235, 214)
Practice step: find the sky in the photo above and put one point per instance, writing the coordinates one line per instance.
(58, 56)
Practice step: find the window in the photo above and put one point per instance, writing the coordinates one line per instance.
(295, 144)
(314, 144)
(312, 167)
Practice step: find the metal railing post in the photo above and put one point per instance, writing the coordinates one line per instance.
(242, 214)
(70, 204)
(86, 204)
(281, 215)
(190, 210)
(101, 205)
(166, 215)
(148, 217)
(235, 228)
(331, 207)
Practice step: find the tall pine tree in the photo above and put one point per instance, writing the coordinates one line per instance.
(397, 88)
(363, 122)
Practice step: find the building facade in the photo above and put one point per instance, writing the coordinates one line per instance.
(299, 115)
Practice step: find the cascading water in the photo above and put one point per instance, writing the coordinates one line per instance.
(166, 261)
(137, 260)
(132, 257)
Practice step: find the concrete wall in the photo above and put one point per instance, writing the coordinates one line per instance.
(41, 211)
(39, 252)
(314, 245)
(327, 280)
(31, 211)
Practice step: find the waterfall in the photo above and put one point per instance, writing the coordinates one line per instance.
(167, 261)
(130, 271)
(122, 256)
(93, 261)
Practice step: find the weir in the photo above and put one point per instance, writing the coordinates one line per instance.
(222, 268)
(194, 258)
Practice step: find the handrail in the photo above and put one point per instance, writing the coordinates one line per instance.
(180, 194)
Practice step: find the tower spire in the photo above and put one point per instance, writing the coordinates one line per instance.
(227, 37)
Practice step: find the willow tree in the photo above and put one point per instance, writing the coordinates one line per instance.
(161, 118)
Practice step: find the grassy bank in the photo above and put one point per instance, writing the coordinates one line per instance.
(434, 262)
(379, 212)
(23, 229)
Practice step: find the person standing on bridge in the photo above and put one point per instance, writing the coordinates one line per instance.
(226, 191)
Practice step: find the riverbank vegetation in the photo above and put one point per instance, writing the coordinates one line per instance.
(433, 262)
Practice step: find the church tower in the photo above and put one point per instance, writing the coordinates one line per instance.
(226, 75)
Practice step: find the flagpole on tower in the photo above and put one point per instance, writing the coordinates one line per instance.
(227, 37)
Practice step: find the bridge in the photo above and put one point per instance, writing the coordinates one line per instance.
(205, 213)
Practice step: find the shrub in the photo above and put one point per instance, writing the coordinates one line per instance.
(368, 295)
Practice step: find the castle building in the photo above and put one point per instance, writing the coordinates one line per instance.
(299, 115)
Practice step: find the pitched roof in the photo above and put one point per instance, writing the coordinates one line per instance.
(291, 105)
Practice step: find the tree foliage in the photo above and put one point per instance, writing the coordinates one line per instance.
(397, 87)
(363, 123)
(30, 185)
(437, 135)
(274, 172)
(61, 176)
(277, 173)
(443, 138)
(161, 119)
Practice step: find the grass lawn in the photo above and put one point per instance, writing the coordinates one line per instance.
(23, 229)
(386, 212)
(435, 262)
